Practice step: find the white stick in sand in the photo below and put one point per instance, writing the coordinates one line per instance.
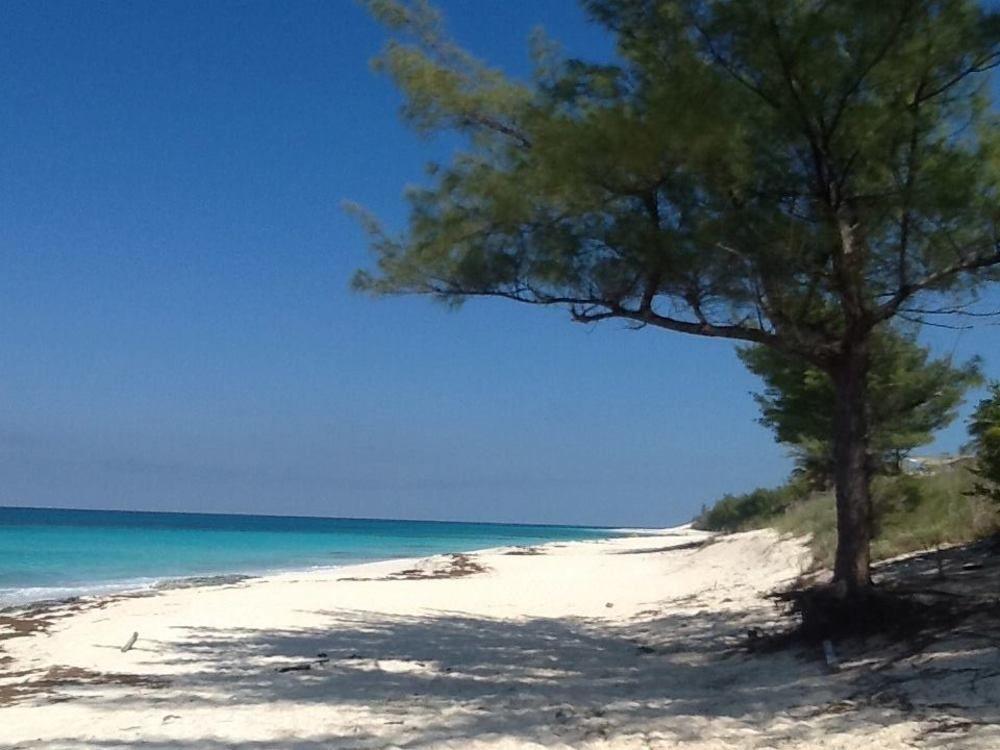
(130, 642)
(831, 656)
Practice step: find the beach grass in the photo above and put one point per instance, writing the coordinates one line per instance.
(911, 513)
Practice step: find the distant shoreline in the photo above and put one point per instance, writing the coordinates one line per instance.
(128, 589)
(57, 555)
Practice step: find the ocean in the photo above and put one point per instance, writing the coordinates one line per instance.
(55, 554)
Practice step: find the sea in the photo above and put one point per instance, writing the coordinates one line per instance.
(52, 554)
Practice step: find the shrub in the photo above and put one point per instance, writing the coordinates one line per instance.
(985, 430)
(752, 510)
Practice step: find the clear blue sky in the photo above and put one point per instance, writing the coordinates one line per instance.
(176, 329)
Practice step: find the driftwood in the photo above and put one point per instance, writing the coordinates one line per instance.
(130, 642)
(295, 668)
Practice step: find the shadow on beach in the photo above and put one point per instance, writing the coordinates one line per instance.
(667, 677)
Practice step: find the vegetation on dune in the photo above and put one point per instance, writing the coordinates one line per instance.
(794, 175)
(750, 510)
(909, 513)
(957, 503)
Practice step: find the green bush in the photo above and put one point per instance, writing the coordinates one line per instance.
(750, 511)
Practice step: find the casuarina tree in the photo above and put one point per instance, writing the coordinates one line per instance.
(788, 173)
(984, 427)
(911, 396)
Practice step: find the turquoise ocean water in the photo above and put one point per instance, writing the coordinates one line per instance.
(54, 554)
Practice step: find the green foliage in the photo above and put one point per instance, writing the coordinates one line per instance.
(929, 511)
(911, 397)
(445, 85)
(749, 511)
(709, 178)
(985, 431)
(911, 513)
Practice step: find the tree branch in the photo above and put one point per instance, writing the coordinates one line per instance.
(982, 65)
(893, 305)
(491, 123)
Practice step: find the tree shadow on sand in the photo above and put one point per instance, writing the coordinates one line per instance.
(667, 677)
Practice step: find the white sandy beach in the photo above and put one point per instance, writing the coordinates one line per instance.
(634, 642)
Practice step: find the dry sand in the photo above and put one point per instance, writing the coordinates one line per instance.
(638, 642)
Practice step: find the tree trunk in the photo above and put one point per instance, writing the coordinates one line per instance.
(852, 470)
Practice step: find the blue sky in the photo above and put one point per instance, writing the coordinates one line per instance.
(176, 328)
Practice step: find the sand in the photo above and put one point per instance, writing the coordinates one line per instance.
(636, 642)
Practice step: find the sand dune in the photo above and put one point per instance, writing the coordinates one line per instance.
(627, 643)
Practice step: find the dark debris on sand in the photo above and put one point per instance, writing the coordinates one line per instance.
(456, 565)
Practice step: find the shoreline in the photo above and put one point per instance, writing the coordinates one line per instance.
(155, 586)
(624, 643)
(68, 668)
(147, 585)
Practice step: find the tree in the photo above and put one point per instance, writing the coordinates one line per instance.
(910, 395)
(785, 173)
(984, 427)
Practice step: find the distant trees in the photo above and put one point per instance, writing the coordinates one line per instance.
(911, 396)
(789, 174)
(739, 512)
(984, 427)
